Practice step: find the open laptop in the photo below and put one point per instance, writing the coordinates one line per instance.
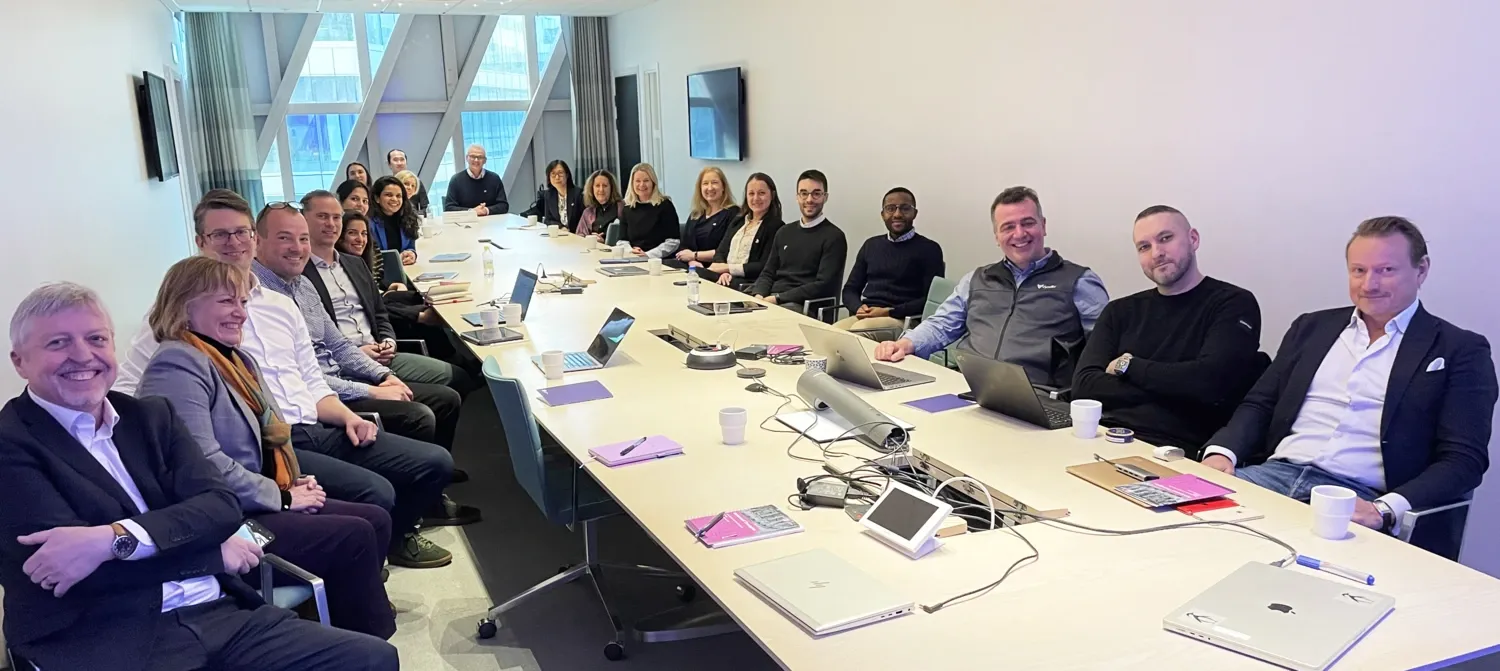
(1281, 616)
(604, 346)
(1003, 387)
(521, 294)
(848, 361)
(823, 593)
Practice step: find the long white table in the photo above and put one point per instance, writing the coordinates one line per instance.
(1089, 602)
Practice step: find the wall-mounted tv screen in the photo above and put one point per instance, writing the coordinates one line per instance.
(156, 127)
(716, 115)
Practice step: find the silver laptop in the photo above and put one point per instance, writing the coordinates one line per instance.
(848, 361)
(602, 349)
(1001, 386)
(1282, 616)
(823, 593)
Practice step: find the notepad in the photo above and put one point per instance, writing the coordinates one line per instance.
(744, 526)
(1176, 490)
(939, 403)
(655, 447)
(628, 259)
(450, 258)
(435, 276)
(578, 392)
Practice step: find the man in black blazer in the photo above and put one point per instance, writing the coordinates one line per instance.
(117, 537)
(1385, 399)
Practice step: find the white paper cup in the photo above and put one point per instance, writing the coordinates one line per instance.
(490, 317)
(653, 266)
(1333, 500)
(512, 313)
(1331, 527)
(819, 363)
(552, 364)
(621, 250)
(732, 423)
(531, 220)
(1086, 414)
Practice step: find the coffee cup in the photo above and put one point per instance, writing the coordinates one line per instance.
(512, 313)
(732, 423)
(490, 317)
(552, 364)
(1086, 414)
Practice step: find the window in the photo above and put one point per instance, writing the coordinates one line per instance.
(502, 73)
(496, 132)
(317, 142)
(439, 188)
(548, 30)
(378, 28)
(331, 73)
(179, 39)
(270, 176)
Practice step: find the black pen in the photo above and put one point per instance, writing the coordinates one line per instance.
(717, 519)
(632, 447)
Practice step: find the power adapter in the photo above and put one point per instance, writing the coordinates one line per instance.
(825, 493)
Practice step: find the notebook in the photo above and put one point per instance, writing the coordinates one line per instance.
(434, 276)
(1176, 490)
(623, 271)
(577, 392)
(450, 258)
(655, 447)
(628, 259)
(744, 526)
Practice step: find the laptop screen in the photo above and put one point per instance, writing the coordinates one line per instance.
(525, 287)
(609, 337)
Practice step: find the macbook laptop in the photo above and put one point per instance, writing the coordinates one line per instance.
(823, 593)
(1281, 616)
(848, 361)
(1004, 388)
(521, 294)
(604, 346)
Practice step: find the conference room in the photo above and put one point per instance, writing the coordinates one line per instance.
(619, 334)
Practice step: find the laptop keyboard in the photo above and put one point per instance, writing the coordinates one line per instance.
(577, 360)
(1058, 418)
(886, 379)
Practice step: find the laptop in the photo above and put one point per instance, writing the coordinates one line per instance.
(603, 347)
(1281, 616)
(493, 336)
(623, 271)
(848, 361)
(521, 295)
(1003, 387)
(735, 307)
(823, 593)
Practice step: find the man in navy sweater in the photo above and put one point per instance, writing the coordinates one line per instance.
(476, 189)
(892, 272)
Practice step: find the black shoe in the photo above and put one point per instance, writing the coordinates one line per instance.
(459, 475)
(450, 514)
(385, 575)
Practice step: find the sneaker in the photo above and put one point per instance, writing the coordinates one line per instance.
(450, 514)
(459, 475)
(418, 552)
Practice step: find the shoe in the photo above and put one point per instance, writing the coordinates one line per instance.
(385, 575)
(450, 514)
(459, 475)
(418, 552)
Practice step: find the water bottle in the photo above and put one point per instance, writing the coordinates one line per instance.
(489, 262)
(692, 282)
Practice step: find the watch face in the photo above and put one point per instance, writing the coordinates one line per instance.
(124, 546)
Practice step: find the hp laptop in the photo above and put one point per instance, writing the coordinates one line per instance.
(847, 361)
(822, 593)
(1281, 616)
(1003, 387)
(601, 349)
(525, 288)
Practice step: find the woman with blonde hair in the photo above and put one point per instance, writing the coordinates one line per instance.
(219, 394)
(601, 204)
(649, 221)
(415, 194)
(713, 210)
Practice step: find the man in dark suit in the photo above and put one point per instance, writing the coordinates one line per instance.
(1385, 399)
(117, 537)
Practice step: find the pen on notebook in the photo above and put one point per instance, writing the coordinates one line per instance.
(632, 447)
(1341, 571)
(717, 519)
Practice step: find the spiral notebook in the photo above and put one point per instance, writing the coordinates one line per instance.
(744, 526)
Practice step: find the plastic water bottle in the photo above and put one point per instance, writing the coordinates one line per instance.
(489, 262)
(692, 282)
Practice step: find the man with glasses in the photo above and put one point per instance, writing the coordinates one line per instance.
(892, 272)
(476, 189)
(807, 260)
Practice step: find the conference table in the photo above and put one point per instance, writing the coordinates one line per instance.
(1090, 601)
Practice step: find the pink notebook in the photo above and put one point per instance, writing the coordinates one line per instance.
(655, 447)
(744, 526)
(1176, 490)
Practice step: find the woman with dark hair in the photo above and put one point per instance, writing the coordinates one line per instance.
(357, 172)
(558, 201)
(601, 204)
(354, 240)
(393, 224)
(354, 195)
(742, 252)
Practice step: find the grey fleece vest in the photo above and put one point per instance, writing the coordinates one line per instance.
(1020, 324)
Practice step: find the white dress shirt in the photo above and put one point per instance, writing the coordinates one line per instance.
(348, 312)
(1338, 427)
(280, 344)
(99, 440)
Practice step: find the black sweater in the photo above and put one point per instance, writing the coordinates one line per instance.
(647, 226)
(1194, 356)
(804, 263)
(467, 193)
(545, 207)
(894, 275)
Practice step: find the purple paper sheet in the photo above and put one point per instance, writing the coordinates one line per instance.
(569, 394)
(939, 403)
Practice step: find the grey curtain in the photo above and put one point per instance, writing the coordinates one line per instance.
(223, 136)
(593, 97)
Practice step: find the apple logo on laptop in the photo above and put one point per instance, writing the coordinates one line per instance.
(1282, 608)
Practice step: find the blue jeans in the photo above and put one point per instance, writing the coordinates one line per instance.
(1298, 480)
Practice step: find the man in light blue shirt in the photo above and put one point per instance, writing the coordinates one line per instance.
(1022, 309)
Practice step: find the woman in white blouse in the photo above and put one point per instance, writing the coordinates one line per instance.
(742, 252)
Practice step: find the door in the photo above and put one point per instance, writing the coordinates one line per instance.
(628, 122)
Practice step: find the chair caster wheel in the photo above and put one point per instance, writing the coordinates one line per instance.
(687, 592)
(614, 652)
(487, 629)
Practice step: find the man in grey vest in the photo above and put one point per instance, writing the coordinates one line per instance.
(1029, 309)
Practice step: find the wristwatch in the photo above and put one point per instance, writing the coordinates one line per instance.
(125, 543)
(1122, 364)
(1387, 516)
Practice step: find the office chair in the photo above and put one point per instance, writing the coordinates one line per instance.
(292, 596)
(937, 293)
(569, 497)
(1439, 529)
(612, 233)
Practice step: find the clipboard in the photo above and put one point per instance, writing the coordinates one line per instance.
(1103, 474)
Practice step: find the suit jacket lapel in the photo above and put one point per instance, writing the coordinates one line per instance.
(310, 271)
(1420, 335)
(361, 287)
(1324, 336)
(60, 441)
(136, 453)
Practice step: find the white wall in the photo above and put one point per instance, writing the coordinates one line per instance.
(86, 211)
(1276, 126)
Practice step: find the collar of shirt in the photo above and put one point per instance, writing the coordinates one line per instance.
(1396, 325)
(80, 424)
(904, 236)
(1019, 272)
(474, 176)
(273, 281)
(325, 264)
(809, 224)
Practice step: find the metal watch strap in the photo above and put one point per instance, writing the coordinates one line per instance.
(1387, 516)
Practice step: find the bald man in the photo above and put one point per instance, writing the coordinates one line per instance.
(1171, 363)
(475, 188)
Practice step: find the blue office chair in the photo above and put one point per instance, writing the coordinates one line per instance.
(568, 496)
(612, 233)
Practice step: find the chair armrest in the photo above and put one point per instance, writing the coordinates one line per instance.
(911, 322)
(1411, 518)
(320, 594)
(412, 346)
(374, 417)
(818, 308)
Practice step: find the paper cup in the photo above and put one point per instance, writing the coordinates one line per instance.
(490, 317)
(531, 220)
(1086, 414)
(1331, 527)
(732, 423)
(653, 266)
(1332, 500)
(818, 363)
(621, 250)
(512, 313)
(552, 364)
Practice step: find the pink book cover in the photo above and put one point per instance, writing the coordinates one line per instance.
(744, 526)
(1176, 490)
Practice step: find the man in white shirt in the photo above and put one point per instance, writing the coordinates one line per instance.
(117, 536)
(1385, 399)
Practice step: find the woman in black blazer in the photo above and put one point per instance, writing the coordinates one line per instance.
(742, 253)
(552, 206)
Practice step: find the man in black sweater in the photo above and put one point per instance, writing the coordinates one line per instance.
(1172, 363)
(476, 189)
(807, 260)
(892, 272)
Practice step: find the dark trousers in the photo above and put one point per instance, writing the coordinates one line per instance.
(345, 545)
(404, 476)
(431, 416)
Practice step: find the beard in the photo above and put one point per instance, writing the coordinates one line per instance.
(1168, 275)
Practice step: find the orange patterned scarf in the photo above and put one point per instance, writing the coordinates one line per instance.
(275, 435)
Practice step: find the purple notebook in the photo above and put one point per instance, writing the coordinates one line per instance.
(577, 392)
(655, 447)
(939, 403)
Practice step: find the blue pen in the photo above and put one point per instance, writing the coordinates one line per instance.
(1341, 571)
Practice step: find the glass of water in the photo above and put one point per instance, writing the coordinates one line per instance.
(721, 311)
